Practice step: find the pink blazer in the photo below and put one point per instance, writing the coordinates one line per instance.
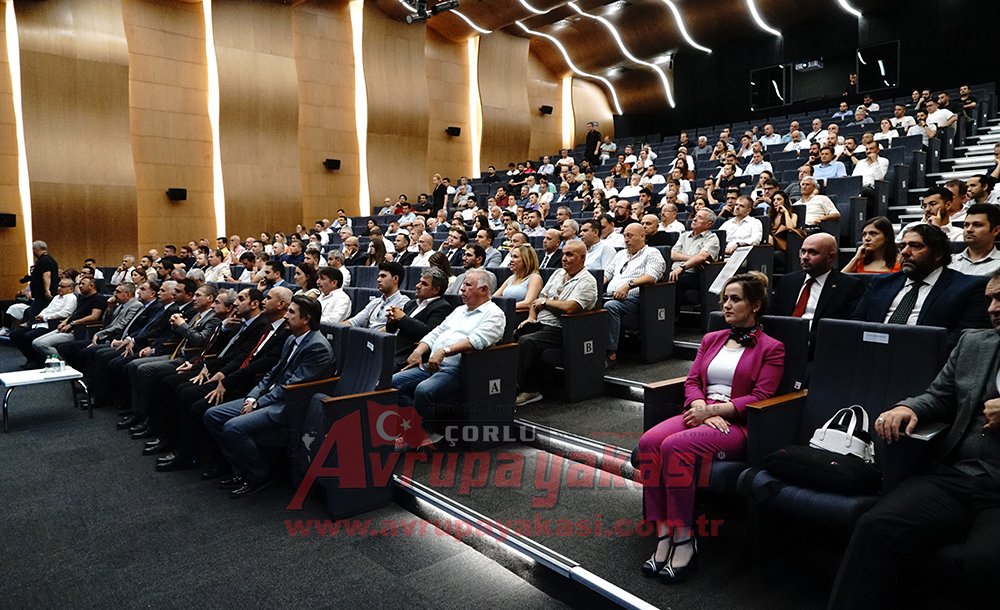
(757, 375)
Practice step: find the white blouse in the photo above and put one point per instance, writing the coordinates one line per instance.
(720, 373)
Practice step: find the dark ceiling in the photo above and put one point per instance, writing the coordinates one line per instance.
(648, 28)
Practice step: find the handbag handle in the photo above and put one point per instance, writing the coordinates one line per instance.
(846, 411)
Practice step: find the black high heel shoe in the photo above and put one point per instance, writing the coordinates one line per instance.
(672, 575)
(652, 567)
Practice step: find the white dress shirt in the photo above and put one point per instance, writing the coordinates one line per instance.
(482, 326)
(336, 306)
(817, 289)
(748, 231)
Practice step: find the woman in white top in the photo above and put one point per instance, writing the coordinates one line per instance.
(886, 133)
(526, 282)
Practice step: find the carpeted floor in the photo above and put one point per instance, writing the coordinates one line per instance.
(88, 523)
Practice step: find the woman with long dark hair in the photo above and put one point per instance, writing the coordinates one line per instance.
(877, 252)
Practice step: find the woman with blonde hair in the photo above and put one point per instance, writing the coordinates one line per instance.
(526, 282)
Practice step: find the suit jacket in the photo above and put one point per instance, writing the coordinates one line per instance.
(412, 329)
(265, 358)
(357, 260)
(168, 338)
(310, 361)
(455, 258)
(956, 302)
(555, 262)
(757, 375)
(195, 335)
(141, 319)
(957, 394)
(838, 300)
(115, 320)
(406, 258)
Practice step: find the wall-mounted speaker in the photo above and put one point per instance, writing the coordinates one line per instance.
(454, 131)
(545, 109)
(175, 194)
(331, 164)
(8, 220)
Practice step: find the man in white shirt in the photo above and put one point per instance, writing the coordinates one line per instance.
(817, 130)
(425, 247)
(533, 224)
(608, 233)
(741, 229)
(757, 165)
(936, 212)
(769, 138)
(334, 301)
(631, 190)
(637, 265)
(373, 316)
(565, 160)
(899, 118)
(432, 376)
(218, 269)
(939, 117)
(668, 219)
(980, 257)
(818, 207)
(546, 168)
(651, 178)
(796, 142)
(693, 249)
(872, 167)
(599, 252)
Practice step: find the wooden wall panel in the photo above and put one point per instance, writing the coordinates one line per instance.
(503, 74)
(11, 240)
(590, 103)
(74, 73)
(396, 82)
(171, 133)
(258, 124)
(324, 58)
(544, 89)
(448, 89)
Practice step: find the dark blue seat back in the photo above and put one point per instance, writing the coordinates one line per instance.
(368, 360)
(793, 334)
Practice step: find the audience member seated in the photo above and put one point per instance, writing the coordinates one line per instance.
(689, 255)
(886, 132)
(877, 252)
(637, 265)
(570, 290)
(953, 500)
(432, 376)
(419, 316)
(39, 343)
(936, 206)
(551, 254)
(828, 167)
(239, 426)
(471, 259)
(305, 280)
(525, 283)
(58, 309)
(982, 227)
(334, 302)
(274, 276)
(425, 248)
(819, 290)
(599, 252)
(734, 367)
(373, 316)
(742, 229)
(925, 292)
(783, 222)
(818, 207)
(335, 260)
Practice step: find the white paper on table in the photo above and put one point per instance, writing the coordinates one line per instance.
(729, 270)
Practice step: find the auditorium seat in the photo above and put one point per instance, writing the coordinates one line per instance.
(581, 357)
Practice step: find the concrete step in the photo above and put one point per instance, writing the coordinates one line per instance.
(942, 177)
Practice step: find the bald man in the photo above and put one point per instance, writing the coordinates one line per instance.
(571, 289)
(820, 290)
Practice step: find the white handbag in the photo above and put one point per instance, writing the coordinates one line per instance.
(842, 434)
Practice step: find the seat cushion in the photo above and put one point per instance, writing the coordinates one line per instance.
(829, 509)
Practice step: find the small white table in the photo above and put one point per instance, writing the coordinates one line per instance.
(34, 377)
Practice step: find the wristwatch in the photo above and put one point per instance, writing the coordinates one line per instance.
(631, 283)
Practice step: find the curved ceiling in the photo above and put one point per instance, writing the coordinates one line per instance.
(648, 30)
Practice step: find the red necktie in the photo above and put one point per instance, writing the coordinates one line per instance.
(263, 338)
(800, 307)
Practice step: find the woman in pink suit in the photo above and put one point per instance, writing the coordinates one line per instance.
(734, 367)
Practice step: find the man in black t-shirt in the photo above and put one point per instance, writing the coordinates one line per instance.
(593, 144)
(44, 277)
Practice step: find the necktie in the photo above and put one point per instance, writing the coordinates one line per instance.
(905, 308)
(545, 261)
(263, 338)
(233, 340)
(180, 346)
(800, 306)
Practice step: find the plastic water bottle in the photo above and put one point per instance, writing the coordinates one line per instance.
(51, 363)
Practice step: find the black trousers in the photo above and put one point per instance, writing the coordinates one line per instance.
(920, 515)
(530, 347)
(22, 338)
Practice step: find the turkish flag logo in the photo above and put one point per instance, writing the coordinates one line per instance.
(389, 423)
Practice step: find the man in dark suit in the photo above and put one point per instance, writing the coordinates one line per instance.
(248, 348)
(454, 247)
(551, 257)
(956, 501)
(819, 290)
(925, 292)
(240, 424)
(421, 315)
(402, 255)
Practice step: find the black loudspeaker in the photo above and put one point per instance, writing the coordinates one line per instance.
(331, 163)
(545, 109)
(8, 220)
(454, 131)
(177, 194)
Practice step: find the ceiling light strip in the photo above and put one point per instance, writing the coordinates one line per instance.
(572, 66)
(475, 107)
(531, 8)
(850, 9)
(621, 45)
(683, 29)
(214, 96)
(356, 9)
(760, 22)
(23, 183)
(471, 24)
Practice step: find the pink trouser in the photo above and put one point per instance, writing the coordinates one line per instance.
(669, 453)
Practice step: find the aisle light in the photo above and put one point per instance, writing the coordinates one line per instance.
(23, 183)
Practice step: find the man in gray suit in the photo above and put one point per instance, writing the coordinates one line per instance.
(122, 307)
(239, 424)
(957, 500)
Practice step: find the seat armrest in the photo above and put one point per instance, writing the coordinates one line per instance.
(773, 424)
(662, 400)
